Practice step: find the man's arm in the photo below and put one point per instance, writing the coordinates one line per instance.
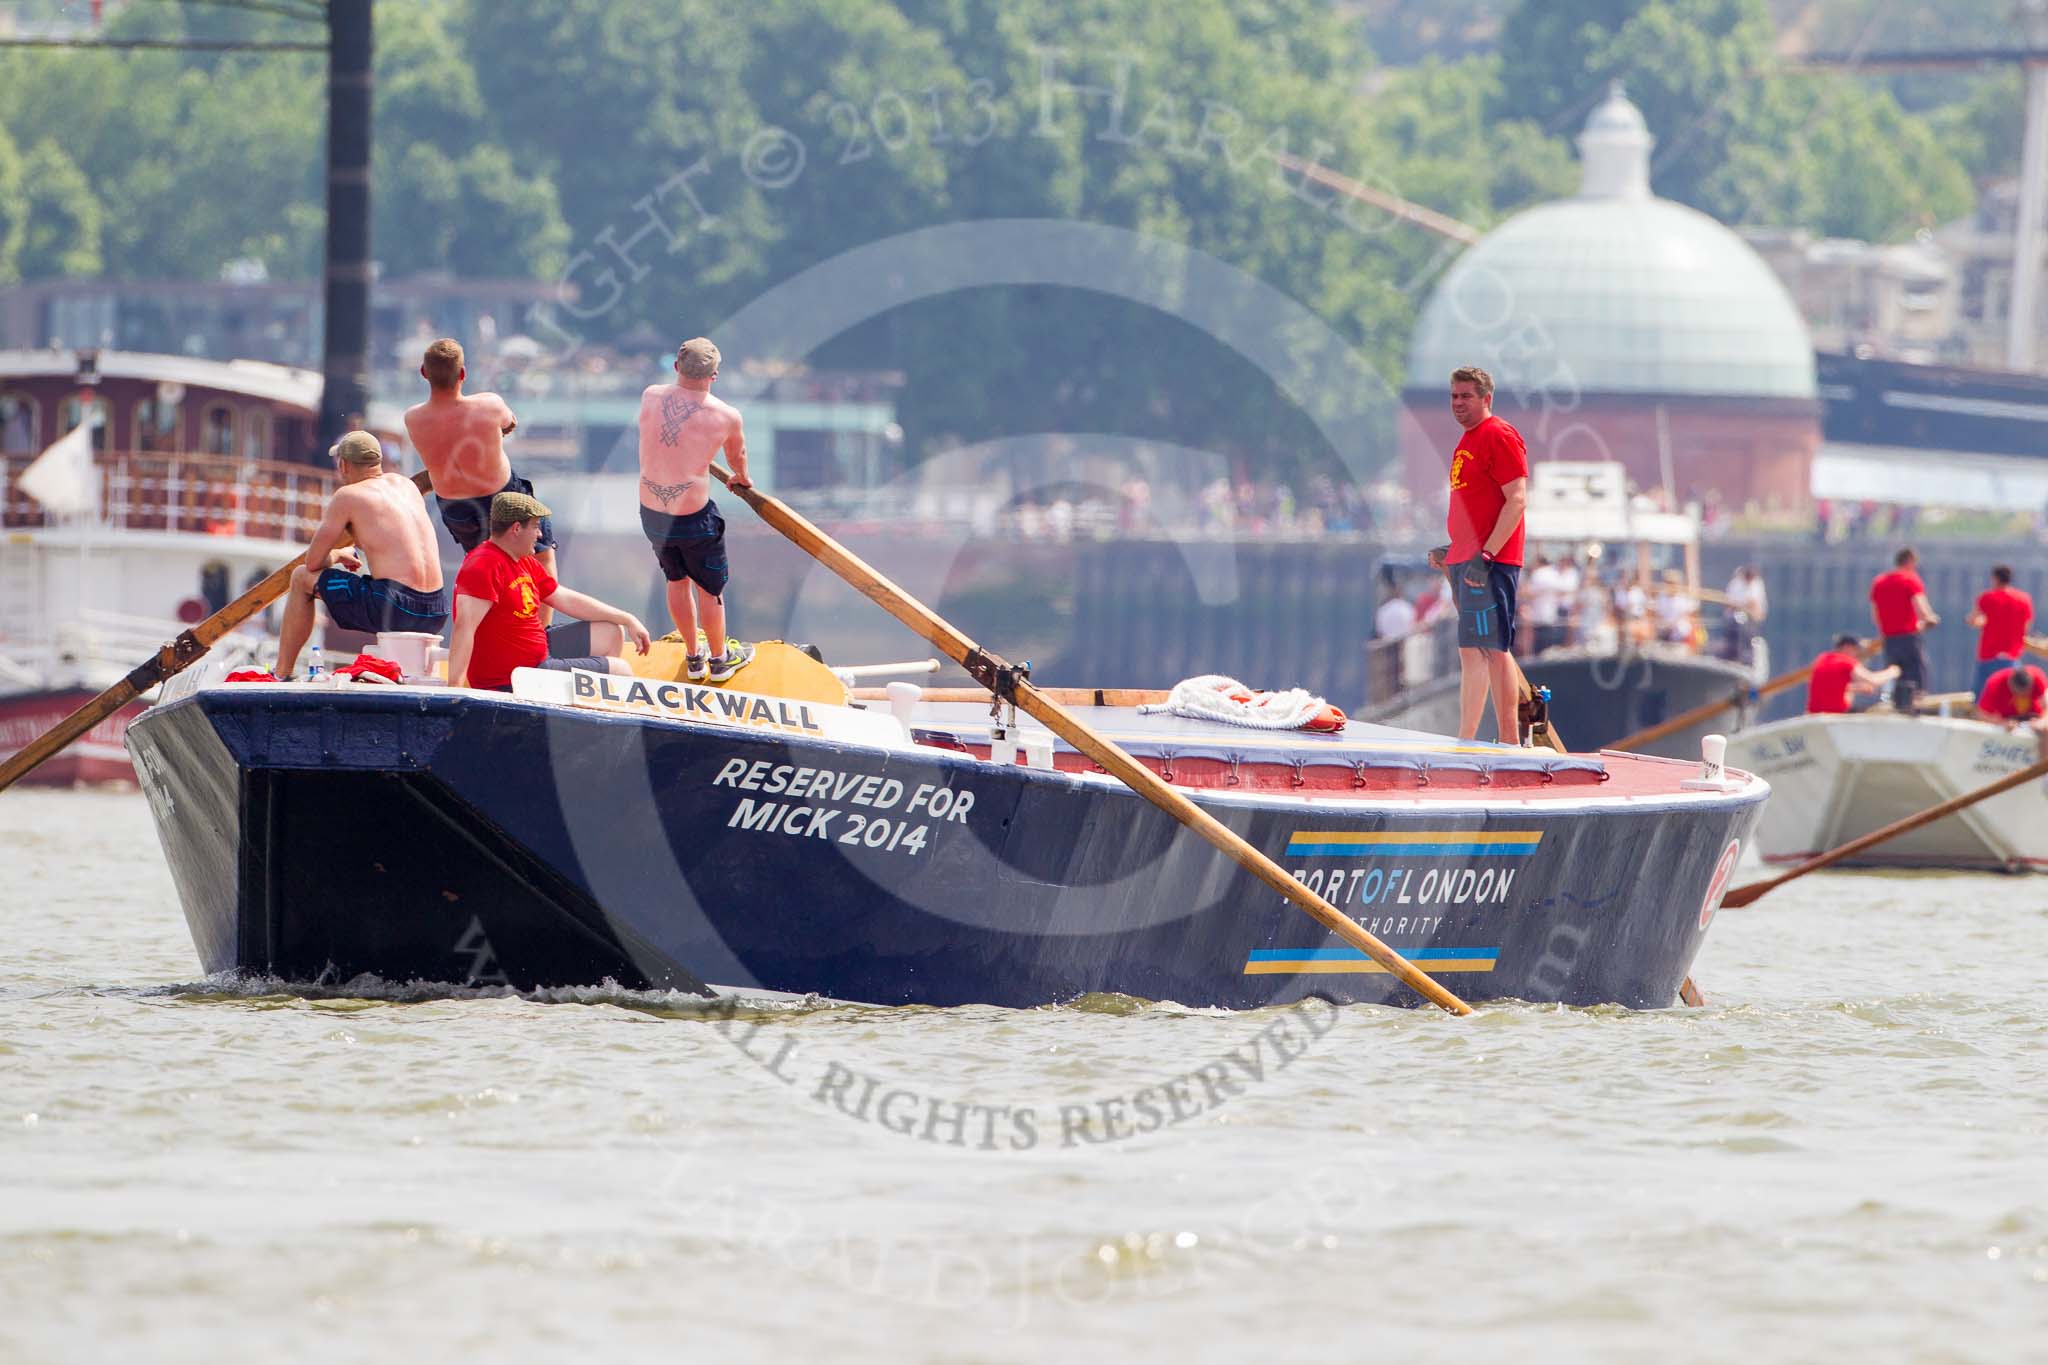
(1871, 678)
(1514, 502)
(586, 608)
(1974, 619)
(736, 452)
(1925, 609)
(469, 614)
(507, 423)
(320, 553)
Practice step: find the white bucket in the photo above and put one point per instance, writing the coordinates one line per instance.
(408, 649)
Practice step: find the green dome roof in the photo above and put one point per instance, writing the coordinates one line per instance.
(1615, 291)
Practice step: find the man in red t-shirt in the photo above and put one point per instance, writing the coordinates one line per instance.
(1840, 672)
(2003, 614)
(1899, 605)
(2014, 694)
(1489, 493)
(2017, 694)
(499, 591)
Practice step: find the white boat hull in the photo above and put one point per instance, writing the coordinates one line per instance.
(1835, 778)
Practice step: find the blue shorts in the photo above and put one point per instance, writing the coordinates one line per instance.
(361, 603)
(1486, 613)
(1985, 668)
(691, 546)
(469, 519)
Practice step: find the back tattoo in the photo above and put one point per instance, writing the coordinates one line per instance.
(665, 492)
(675, 411)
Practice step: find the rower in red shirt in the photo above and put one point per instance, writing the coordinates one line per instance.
(2017, 695)
(1840, 672)
(1489, 494)
(2003, 613)
(1899, 605)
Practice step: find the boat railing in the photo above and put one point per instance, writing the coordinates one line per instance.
(200, 494)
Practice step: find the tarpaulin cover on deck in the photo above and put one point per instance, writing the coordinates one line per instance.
(1358, 745)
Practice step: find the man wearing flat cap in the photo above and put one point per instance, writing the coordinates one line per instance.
(499, 592)
(390, 579)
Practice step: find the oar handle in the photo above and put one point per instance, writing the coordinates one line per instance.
(1744, 895)
(1010, 683)
(188, 648)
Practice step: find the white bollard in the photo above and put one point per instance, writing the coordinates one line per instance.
(1002, 748)
(1712, 776)
(1037, 751)
(903, 699)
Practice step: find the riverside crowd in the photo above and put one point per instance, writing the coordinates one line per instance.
(1568, 603)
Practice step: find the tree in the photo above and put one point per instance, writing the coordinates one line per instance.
(448, 197)
(62, 237)
(1736, 138)
(12, 210)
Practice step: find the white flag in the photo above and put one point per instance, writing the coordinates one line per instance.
(62, 478)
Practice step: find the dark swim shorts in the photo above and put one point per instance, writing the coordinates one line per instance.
(1486, 612)
(691, 547)
(358, 602)
(469, 519)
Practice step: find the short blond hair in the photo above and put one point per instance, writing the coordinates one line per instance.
(697, 358)
(1472, 374)
(442, 364)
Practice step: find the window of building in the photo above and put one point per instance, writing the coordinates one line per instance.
(18, 421)
(156, 423)
(73, 411)
(217, 432)
(256, 434)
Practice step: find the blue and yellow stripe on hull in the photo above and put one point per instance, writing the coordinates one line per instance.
(1311, 961)
(1456, 843)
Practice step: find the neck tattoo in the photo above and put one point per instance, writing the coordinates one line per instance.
(665, 492)
(675, 411)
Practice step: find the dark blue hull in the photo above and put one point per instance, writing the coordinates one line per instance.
(420, 836)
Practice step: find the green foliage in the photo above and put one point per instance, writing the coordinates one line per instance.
(1737, 137)
(12, 209)
(62, 227)
(1984, 129)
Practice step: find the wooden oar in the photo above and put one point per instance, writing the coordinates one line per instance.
(1744, 895)
(175, 657)
(1009, 683)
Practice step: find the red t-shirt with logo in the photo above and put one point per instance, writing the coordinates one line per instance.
(510, 635)
(1997, 700)
(1489, 455)
(1893, 593)
(1827, 693)
(2006, 613)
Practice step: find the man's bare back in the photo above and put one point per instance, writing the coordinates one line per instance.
(682, 429)
(388, 518)
(461, 440)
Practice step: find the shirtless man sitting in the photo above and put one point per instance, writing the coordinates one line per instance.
(388, 518)
(682, 428)
(461, 440)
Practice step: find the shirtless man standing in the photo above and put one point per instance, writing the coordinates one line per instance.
(388, 518)
(461, 440)
(682, 427)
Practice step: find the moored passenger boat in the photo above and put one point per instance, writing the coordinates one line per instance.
(184, 496)
(668, 835)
